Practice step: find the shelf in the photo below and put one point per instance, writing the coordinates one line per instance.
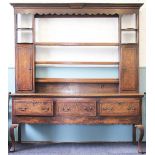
(129, 29)
(129, 43)
(73, 80)
(78, 95)
(75, 63)
(24, 28)
(74, 44)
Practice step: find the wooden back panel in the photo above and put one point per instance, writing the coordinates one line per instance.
(76, 88)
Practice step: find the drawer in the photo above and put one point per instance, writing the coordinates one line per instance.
(76, 107)
(33, 106)
(119, 107)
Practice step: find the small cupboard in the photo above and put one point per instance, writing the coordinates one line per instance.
(25, 68)
(129, 68)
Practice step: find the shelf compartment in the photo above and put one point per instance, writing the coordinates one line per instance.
(76, 29)
(24, 36)
(75, 63)
(128, 37)
(74, 44)
(78, 72)
(24, 20)
(129, 29)
(75, 80)
(128, 21)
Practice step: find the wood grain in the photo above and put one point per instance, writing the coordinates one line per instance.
(119, 107)
(77, 108)
(75, 80)
(129, 68)
(76, 63)
(77, 120)
(24, 68)
(77, 9)
(138, 95)
(33, 107)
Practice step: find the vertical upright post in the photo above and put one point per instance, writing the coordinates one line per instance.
(19, 133)
(119, 47)
(133, 134)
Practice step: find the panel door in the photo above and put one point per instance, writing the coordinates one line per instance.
(129, 68)
(24, 68)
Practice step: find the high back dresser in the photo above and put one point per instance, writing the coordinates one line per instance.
(91, 100)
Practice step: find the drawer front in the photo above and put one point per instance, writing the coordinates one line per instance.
(119, 107)
(76, 107)
(33, 107)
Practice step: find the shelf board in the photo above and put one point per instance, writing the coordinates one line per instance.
(78, 95)
(129, 44)
(75, 63)
(129, 29)
(74, 44)
(75, 80)
(24, 28)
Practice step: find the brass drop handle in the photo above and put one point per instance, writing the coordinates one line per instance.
(131, 108)
(45, 109)
(88, 108)
(22, 109)
(120, 103)
(65, 109)
(102, 85)
(124, 69)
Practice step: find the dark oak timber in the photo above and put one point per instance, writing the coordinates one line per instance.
(77, 100)
(73, 80)
(75, 63)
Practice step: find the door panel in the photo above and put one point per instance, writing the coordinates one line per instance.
(129, 68)
(24, 67)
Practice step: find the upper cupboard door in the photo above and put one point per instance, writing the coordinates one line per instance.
(24, 67)
(129, 68)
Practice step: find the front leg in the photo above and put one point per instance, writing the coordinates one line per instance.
(12, 135)
(141, 128)
(133, 134)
